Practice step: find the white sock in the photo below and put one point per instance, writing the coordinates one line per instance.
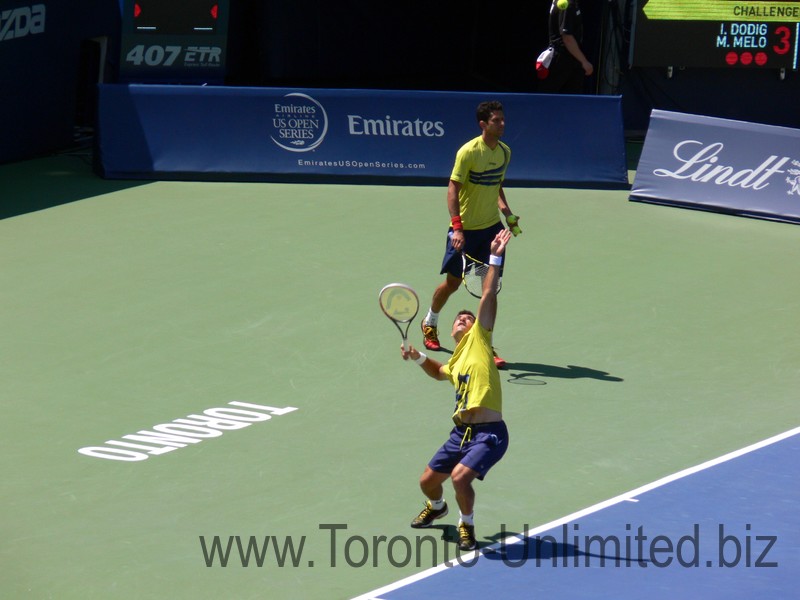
(432, 318)
(437, 504)
(467, 519)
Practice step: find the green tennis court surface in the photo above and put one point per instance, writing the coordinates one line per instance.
(641, 340)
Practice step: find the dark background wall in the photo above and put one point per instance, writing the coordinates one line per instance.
(47, 80)
(472, 45)
(46, 77)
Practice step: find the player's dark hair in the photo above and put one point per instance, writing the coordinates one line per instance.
(485, 109)
(465, 312)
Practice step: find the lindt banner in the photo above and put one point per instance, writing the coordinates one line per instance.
(721, 165)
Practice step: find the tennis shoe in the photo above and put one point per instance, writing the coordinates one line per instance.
(428, 515)
(500, 363)
(430, 334)
(466, 537)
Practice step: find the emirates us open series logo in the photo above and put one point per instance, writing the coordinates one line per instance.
(299, 123)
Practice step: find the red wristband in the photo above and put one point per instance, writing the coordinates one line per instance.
(456, 223)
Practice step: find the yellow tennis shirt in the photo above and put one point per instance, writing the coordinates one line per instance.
(480, 171)
(472, 371)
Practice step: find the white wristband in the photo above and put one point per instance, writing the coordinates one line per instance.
(495, 260)
(422, 358)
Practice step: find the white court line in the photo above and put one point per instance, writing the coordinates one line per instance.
(628, 496)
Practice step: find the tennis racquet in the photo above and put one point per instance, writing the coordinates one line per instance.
(400, 303)
(473, 274)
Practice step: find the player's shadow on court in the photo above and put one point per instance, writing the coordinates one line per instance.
(544, 552)
(529, 373)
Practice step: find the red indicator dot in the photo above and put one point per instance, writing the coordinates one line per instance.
(137, 10)
(747, 58)
(215, 11)
(731, 58)
(761, 58)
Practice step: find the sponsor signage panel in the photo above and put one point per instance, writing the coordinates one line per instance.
(716, 164)
(205, 132)
(174, 41)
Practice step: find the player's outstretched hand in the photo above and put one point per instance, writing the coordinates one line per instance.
(500, 241)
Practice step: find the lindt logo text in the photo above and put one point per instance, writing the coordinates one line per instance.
(700, 163)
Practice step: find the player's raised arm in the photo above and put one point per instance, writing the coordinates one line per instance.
(487, 309)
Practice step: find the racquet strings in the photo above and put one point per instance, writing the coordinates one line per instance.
(399, 303)
(474, 274)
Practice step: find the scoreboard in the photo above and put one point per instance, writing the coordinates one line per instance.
(756, 34)
(173, 41)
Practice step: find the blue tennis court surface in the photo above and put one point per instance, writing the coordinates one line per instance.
(725, 529)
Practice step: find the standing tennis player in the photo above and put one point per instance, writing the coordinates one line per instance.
(474, 195)
(480, 437)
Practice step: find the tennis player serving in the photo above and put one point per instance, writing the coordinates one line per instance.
(480, 437)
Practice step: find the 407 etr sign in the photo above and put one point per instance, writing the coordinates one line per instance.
(181, 44)
(182, 62)
(169, 56)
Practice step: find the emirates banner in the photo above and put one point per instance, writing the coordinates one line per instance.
(280, 134)
(721, 165)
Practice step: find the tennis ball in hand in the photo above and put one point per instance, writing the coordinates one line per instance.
(562, 4)
(516, 230)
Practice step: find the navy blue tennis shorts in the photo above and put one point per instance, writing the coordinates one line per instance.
(479, 449)
(477, 243)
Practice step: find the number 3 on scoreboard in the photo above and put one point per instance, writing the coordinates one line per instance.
(153, 56)
(784, 43)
